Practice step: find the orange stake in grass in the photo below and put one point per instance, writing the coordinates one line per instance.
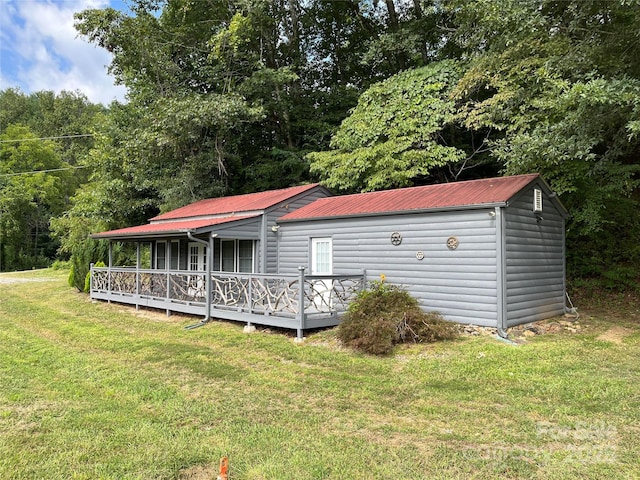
(224, 469)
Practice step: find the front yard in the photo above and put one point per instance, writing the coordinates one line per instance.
(99, 391)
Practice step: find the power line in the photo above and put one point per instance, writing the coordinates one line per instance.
(41, 171)
(47, 138)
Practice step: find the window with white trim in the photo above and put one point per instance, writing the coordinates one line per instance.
(234, 255)
(321, 261)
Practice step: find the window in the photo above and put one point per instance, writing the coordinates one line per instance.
(174, 255)
(321, 264)
(228, 256)
(245, 256)
(321, 256)
(537, 200)
(161, 255)
(232, 255)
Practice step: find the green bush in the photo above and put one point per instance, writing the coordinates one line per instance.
(61, 265)
(384, 316)
(71, 279)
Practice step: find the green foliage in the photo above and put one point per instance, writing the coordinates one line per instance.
(29, 201)
(384, 316)
(84, 252)
(559, 85)
(71, 278)
(29, 197)
(396, 133)
(61, 265)
(73, 230)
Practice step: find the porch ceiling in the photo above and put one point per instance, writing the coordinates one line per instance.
(168, 229)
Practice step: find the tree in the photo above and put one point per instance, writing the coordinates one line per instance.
(303, 64)
(34, 182)
(401, 132)
(559, 84)
(47, 114)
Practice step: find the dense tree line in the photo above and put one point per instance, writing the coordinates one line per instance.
(42, 150)
(233, 96)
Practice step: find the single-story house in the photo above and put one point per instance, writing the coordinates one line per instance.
(487, 252)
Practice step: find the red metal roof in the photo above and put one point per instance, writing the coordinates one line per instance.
(168, 228)
(233, 204)
(430, 197)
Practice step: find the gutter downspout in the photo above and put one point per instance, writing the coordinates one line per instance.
(501, 323)
(501, 261)
(208, 273)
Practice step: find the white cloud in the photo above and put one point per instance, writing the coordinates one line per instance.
(42, 50)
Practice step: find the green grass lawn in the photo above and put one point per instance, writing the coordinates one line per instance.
(92, 390)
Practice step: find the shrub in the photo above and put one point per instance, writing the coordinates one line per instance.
(386, 315)
(71, 279)
(61, 265)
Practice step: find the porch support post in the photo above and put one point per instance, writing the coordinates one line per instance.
(209, 269)
(262, 263)
(109, 270)
(137, 275)
(299, 336)
(168, 280)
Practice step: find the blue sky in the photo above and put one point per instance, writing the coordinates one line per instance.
(40, 50)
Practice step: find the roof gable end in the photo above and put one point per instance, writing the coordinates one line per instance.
(222, 206)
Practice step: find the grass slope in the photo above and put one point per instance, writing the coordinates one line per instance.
(98, 391)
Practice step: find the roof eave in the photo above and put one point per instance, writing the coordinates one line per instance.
(398, 212)
(142, 235)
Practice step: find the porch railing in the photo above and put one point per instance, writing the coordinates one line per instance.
(255, 294)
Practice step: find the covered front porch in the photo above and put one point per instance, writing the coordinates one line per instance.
(298, 302)
(219, 258)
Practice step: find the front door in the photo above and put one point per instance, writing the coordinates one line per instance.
(196, 263)
(322, 264)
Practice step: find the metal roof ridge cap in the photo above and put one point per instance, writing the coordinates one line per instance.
(473, 206)
(307, 187)
(213, 216)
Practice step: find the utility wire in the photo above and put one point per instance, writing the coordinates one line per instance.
(47, 138)
(41, 171)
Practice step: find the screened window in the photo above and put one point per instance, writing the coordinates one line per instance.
(175, 255)
(232, 255)
(245, 256)
(228, 256)
(161, 255)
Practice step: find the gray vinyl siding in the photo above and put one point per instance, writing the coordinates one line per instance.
(244, 229)
(280, 210)
(534, 259)
(461, 284)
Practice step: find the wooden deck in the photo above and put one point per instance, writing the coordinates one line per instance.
(297, 302)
